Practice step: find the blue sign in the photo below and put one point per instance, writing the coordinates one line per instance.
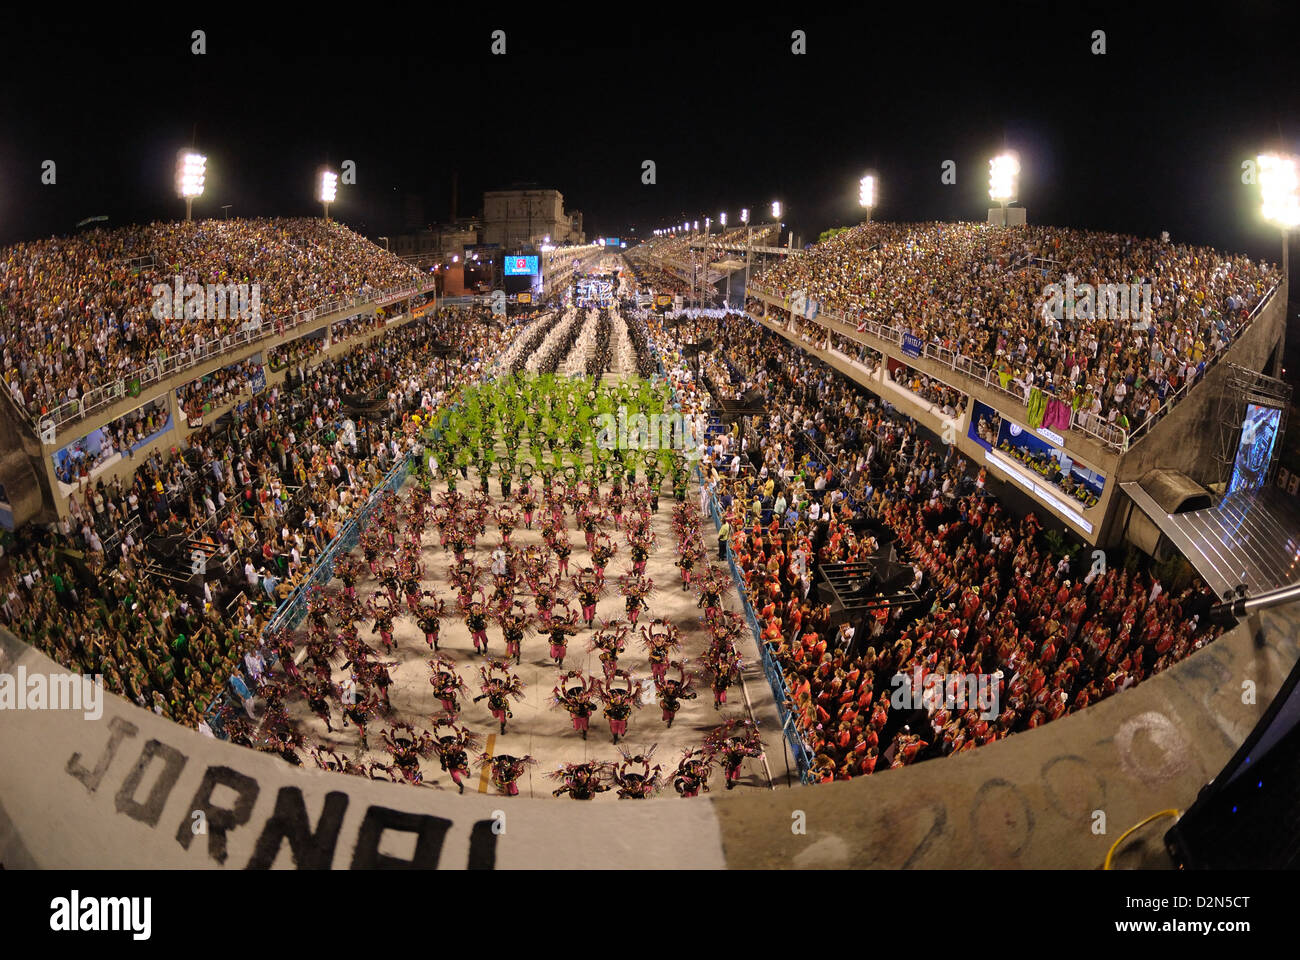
(521, 266)
(911, 345)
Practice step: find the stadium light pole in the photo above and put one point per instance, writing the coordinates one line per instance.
(722, 232)
(1003, 170)
(749, 244)
(191, 171)
(326, 188)
(776, 218)
(1279, 183)
(867, 194)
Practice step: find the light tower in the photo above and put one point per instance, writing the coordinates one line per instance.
(326, 188)
(1279, 181)
(191, 171)
(1279, 188)
(1003, 171)
(867, 193)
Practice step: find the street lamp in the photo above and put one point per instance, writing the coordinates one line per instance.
(776, 210)
(867, 193)
(1003, 171)
(191, 170)
(326, 188)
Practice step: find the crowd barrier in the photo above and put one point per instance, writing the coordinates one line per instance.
(291, 611)
(293, 608)
(799, 749)
(1108, 434)
(165, 367)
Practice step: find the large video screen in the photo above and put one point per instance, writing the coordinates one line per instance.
(521, 266)
(612, 241)
(1255, 449)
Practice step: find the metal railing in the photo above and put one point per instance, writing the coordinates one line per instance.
(1113, 437)
(1169, 401)
(164, 368)
(799, 748)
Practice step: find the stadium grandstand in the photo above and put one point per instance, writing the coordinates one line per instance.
(744, 526)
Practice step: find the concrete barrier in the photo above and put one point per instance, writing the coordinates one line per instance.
(133, 790)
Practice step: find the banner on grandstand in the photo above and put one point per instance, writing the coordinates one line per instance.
(663, 300)
(257, 378)
(911, 345)
(422, 309)
(801, 305)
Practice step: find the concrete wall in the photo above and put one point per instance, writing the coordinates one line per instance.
(120, 790)
(22, 471)
(177, 437)
(1186, 439)
(1087, 448)
(932, 419)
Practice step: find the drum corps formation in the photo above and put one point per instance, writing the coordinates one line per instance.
(515, 458)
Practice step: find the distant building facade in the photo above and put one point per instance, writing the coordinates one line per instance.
(527, 217)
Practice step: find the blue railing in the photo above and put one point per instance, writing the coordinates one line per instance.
(771, 668)
(293, 609)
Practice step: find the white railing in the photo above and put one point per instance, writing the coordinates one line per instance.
(1113, 437)
(164, 368)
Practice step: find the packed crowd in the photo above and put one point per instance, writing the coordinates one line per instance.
(79, 460)
(79, 312)
(981, 292)
(217, 388)
(831, 476)
(246, 506)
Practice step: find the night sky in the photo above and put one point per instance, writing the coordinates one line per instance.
(1148, 137)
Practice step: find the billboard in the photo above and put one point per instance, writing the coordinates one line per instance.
(611, 241)
(521, 266)
(1255, 448)
(1045, 469)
